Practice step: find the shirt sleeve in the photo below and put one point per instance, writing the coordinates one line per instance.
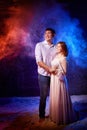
(63, 65)
(38, 54)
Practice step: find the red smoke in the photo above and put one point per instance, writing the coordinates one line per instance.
(17, 32)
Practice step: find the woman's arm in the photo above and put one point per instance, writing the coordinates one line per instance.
(63, 65)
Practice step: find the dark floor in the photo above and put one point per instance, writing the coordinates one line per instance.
(21, 113)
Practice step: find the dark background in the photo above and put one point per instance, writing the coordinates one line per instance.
(18, 71)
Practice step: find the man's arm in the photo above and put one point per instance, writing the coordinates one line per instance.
(39, 58)
(44, 66)
(39, 61)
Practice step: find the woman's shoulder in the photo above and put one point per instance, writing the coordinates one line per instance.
(63, 57)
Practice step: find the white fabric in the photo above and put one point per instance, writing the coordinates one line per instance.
(61, 111)
(44, 52)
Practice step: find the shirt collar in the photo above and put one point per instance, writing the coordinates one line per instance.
(48, 44)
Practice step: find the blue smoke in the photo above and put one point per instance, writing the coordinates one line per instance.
(67, 29)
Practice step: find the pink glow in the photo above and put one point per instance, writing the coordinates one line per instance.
(17, 34)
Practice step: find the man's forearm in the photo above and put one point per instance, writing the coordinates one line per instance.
(44, 66)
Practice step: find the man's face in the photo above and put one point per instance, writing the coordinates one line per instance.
(48, 35)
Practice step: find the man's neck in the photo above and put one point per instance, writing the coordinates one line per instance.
(49, 42)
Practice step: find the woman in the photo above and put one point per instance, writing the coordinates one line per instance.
(61, 111)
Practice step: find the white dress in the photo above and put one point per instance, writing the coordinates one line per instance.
(60, 108)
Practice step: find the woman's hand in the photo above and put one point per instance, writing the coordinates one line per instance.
(53, 70)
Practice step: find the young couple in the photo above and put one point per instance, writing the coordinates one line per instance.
(52, 67)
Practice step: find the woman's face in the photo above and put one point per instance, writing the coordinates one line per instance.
(59, 48)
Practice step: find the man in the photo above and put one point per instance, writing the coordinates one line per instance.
(43, 54)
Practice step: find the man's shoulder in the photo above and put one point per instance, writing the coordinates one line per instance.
(40, 43)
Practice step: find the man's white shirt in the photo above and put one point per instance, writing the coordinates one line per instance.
(44, 52)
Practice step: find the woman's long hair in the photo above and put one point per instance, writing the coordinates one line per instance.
(64, 48)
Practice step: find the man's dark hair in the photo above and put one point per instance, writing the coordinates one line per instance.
(50, 29)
